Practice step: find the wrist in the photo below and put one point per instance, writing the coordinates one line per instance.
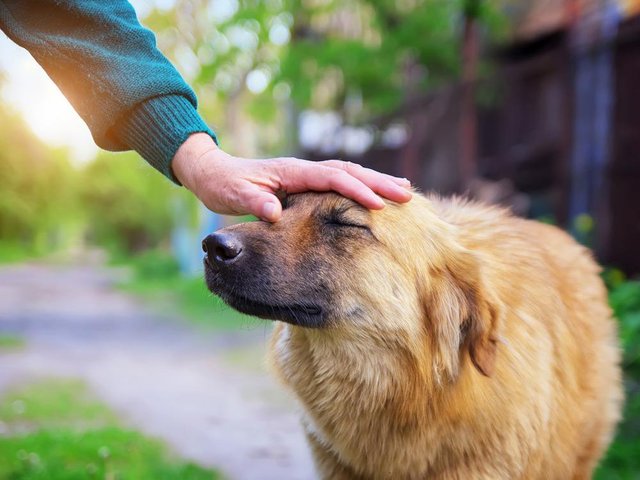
(185, 162)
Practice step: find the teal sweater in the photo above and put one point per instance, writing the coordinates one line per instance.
(109, 68)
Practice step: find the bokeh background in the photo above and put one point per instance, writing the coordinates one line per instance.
(115, 362)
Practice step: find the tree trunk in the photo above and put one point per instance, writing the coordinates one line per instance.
(468, 121)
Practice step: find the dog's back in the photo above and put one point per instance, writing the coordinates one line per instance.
(558, 382)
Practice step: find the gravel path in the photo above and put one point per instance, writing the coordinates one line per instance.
(163, 377)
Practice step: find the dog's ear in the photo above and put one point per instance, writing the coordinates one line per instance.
(462, 317)
(479, 331)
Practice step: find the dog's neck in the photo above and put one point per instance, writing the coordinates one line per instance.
(353, 391)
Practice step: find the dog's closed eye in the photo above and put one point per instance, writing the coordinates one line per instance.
(345, 223)
(338, 218)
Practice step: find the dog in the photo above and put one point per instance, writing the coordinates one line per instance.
(437, 339)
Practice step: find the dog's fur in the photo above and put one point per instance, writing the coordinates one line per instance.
(437, 339)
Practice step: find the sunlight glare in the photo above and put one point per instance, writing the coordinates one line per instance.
(29, 90)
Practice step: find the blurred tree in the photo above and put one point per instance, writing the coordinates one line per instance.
(230, 53)
(127, 205)
(369, 49)
(470, 57)
(246, 59)
(37, 194)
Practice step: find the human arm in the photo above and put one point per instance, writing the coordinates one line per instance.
(108, 67)
(131, 97)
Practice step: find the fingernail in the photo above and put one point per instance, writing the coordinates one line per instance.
(399, 193)
(400, 189)
(269, 211)
(379, 203)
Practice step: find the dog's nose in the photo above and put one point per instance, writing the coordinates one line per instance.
(222, 248)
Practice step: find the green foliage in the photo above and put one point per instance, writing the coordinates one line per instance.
(381, 48)
(357, 57)
(613, 278)
(376, 51)
(623, 459)
(583, 229)
(37, 192)
(153, 265)
(127, 204)
(156, 277)
(10, 342)
(625, 302)
(71, 436)
(12, 251)
(45, 202)
(52, 402)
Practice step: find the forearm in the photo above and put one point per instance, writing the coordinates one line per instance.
(109, 68)
(187, 162)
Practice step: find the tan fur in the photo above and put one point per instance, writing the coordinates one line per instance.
(482, 348)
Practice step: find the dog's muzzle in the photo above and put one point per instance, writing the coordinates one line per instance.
(222, 248)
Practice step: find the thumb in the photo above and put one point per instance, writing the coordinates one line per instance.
(263, 205)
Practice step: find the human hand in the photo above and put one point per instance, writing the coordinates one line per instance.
(233, 185)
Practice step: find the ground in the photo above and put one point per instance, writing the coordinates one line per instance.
(206, 394)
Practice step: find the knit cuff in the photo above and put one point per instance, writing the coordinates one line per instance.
(158, 126)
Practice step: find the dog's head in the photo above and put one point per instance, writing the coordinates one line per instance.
(330, 264)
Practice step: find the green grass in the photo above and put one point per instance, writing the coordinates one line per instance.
(190, 298)
(155, 277)
(11, 342)
(55, 430)
(12, 252)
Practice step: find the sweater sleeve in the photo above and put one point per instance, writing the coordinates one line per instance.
(109, 68)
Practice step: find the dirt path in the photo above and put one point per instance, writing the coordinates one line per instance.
(164, 378)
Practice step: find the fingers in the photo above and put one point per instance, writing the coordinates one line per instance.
(249, 186)
(354, 168)
(235, 186)
(403, 182)
(299, 176)
(392, 188)
(260, 203)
